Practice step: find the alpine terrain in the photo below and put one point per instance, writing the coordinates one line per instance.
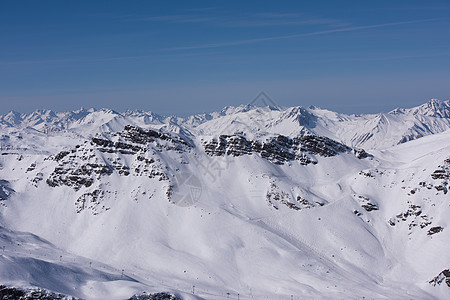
(249, 202)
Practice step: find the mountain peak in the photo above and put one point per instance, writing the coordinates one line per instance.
(109, 111)
(13, 118)
(434, 108)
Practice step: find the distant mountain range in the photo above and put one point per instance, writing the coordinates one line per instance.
(366, 131)
(249, 202)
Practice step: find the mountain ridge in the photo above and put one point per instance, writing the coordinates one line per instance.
(431, 117)
(260, 202)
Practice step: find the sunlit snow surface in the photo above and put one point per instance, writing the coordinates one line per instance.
(342, 228)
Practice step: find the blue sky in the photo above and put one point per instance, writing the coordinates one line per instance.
(184, 57)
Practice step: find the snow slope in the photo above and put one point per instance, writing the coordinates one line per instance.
(251, 201)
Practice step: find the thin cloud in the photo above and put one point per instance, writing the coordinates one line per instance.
(201, 9)
(72, 60)
(281, 22)
(156, 55)
(172, 19)
(382, 58)
(247, 20)
(291, 36)
(279, 19)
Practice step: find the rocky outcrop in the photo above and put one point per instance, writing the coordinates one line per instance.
(278, 150)
(78, 175)
(439, 180)
(163, 141)
(434, 230)
(276, 196)
(131, 152)
(5, 191)
(13, 293)
(442, 175)
(134, 139)
(156, 296)
(82, 166)
(365, 202)
(443, 277)
(414, 215)
(90, 201)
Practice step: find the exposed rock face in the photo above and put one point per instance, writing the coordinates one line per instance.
(138, 135)
(90, 200)
(77, 168)
(373, 173)
(82, 166)
(434, 230)
(444, 276)
(276, 196)
(131, 152)
(442, 174)
(79, 176)
(5, 191)
(439, 181)
(156, 296)
(414, 215)
(365, 202)
(279, 149)
(134, 139)
(361, 153)
(13, 293)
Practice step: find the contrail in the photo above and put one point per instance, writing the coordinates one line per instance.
(282, 37)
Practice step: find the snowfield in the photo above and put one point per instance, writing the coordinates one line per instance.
(249, 202)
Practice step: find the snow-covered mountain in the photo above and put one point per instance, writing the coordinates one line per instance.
(372, 131)
(260, 202)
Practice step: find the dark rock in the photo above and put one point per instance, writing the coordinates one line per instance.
(365, 203)
(442, 188)
(156, 296)
(5, 190)
(279, 149)
(434, 230)
(276, 195)
(415, 214)
(443, 276)
(141, 136)
(369, 206)
(8, 293)
(89, 200)
(31, 168)
(13, 293)
(361, 153)
(61, 155)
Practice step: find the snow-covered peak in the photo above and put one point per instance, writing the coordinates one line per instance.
(301, 115)
(433, 108)
(12, 118)
(229, 110)
(144, 117)
(365, 130)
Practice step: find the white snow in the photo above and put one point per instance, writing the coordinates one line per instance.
(231, 240)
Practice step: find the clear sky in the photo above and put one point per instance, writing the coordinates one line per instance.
(184, 57)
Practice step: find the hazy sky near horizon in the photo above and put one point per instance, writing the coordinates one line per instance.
(184, 57)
